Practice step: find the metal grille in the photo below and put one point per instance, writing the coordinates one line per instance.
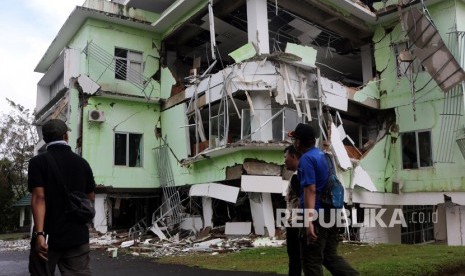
(173, 211)
(109, 61)
(453, 105)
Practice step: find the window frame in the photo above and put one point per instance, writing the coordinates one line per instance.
(417, 149)
(127, 149)
(128, 62)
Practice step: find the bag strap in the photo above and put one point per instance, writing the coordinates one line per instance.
(53, 163)
(330, 165)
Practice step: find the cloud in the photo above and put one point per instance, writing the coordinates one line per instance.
(27, 28)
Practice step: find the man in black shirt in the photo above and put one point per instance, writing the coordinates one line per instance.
(291, 161)
(58, 239)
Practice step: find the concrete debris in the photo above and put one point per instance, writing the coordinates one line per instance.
(107, 239)
(15, 245)
(212, 241)
(213, 244)
(268, 242)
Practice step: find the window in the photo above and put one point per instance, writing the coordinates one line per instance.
(128, 149)
(406, 62)
(416, 150)
(420, 224)
(128, 65)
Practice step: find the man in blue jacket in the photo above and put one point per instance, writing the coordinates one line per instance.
(318, 243)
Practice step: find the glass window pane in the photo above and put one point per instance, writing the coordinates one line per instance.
(121, 53)
(136, 72)
(424, 143)
(134, 56)
(135, 150)
(136, 67)
(120, 149)
(409, 151)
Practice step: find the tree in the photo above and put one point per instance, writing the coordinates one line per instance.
(8, 216)
(17, 140)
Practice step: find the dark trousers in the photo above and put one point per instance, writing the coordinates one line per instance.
(293, 251)
(72, 261)
(323, 251)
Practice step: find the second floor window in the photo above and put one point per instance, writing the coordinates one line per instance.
(416, 150)
(128, 65)
(128, 149)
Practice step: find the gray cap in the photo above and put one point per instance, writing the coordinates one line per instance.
(54, 130)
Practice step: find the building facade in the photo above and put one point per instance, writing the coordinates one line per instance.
(182, 108)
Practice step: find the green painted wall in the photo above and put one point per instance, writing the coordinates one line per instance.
(98, 142)
(108, 35)
(395, 93)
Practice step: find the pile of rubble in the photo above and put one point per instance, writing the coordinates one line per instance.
(174, 246)
(213, 243)
(14, 245)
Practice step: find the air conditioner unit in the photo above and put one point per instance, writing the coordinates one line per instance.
(96, 116)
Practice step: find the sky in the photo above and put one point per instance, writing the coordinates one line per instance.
(27, 27)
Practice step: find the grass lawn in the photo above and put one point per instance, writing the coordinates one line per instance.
(381, 259)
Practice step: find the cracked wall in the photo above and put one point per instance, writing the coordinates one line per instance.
(429, 101)
(98, 142)
(108, 36)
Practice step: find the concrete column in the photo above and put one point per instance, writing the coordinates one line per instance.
(367, 63)
(262, 107)
(207, 211)
(262, 213)
(257, 25)
(22, 215)
(455, 217)
(71, 65)
(100, 219)
(440, 227)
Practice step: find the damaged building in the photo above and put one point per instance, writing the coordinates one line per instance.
(182, 108)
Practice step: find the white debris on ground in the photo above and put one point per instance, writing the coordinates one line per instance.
(14, 245)
(153, 247)
(267, 242)
(212, 243)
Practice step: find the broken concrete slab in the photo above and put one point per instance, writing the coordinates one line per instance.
(362, 179)
(88, 85)
(308, 54)
(238, 228)
(245, 52)
(335, 94)
(263, 184)
(339, 150)
(215, 190)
